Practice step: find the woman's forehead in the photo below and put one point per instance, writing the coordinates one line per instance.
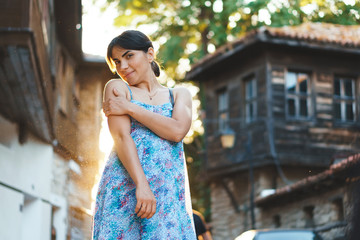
(119, 51)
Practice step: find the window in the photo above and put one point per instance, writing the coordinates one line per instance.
(250, 99)
(298, 99)
(344, 99)
(223, 110)
(339, 208)
(309, 216)
(277, 221)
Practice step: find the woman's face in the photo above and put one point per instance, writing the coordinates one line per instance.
(132, 65)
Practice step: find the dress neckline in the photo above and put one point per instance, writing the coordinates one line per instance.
(171, 96)
(148, 104)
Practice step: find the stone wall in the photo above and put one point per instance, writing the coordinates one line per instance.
(327, 212)
(226, 223)
(293, 215)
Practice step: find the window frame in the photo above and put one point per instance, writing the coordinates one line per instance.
(222, 109)
(297, 96)
(344, 100)
(252, 100)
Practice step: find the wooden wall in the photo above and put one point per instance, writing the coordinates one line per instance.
(232, 78)
(319, 139)
(312, 142)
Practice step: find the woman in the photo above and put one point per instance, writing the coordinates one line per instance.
(143, 192)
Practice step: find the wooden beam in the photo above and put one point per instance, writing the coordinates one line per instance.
(231, 196)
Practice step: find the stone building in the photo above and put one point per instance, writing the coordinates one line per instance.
(324, 201)
(50, 105)
(289, 99)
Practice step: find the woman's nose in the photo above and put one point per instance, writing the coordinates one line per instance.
(124, 65)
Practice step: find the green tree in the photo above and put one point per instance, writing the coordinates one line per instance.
(187, 28)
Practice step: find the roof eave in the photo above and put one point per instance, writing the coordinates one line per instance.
(195, 74)
(343, 170)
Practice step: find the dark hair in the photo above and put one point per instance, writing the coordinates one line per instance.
(133, 40)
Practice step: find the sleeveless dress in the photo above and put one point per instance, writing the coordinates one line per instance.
(165, 169)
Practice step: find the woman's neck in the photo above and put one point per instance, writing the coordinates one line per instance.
(150, 85)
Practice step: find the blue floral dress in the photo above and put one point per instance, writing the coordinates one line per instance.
(165, 169)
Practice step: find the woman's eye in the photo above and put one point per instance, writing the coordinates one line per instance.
(129, 55)
(117, 62)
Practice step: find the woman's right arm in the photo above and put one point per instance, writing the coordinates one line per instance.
(126, 150)
(173, 129)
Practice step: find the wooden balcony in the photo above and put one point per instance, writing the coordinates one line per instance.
(25, 90)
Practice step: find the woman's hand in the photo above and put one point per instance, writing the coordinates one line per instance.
(146, 202)
(115, 105)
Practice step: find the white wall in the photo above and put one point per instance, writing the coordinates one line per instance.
(26, 167)
(36, 222)
(26, 198)
(11, 216)
(60, 218)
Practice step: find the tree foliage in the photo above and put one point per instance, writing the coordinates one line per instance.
(186, 29)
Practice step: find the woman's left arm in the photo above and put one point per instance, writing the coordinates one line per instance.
(174, 128)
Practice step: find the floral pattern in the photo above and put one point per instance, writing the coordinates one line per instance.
(165, 169)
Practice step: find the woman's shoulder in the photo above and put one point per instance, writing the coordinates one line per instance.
(181, 91)
(117, 84)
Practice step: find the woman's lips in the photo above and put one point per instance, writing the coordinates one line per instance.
(128, 74)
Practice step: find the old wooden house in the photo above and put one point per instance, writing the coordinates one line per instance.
(289, 99)
(50, 104)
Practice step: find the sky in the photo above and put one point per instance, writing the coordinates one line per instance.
(98, 28)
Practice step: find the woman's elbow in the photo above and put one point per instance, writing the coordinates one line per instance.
(179, 135)
(177, 138)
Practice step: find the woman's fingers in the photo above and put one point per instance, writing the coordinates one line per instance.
(108, 107)
(111, 105)
(105, 108)
(145, 209)
(138, 207)
(146, 202)
(142, 210)
(150, 210)
(115, 92)
(153, 211)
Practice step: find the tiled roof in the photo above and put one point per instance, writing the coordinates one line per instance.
(347, 36)
(342, 170)
(322, 34)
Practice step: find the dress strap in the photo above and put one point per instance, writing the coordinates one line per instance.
(129, 91)
(171, 97)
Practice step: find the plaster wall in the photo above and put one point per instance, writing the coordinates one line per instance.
(33, 186)
(10, 213)
(25, 167)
